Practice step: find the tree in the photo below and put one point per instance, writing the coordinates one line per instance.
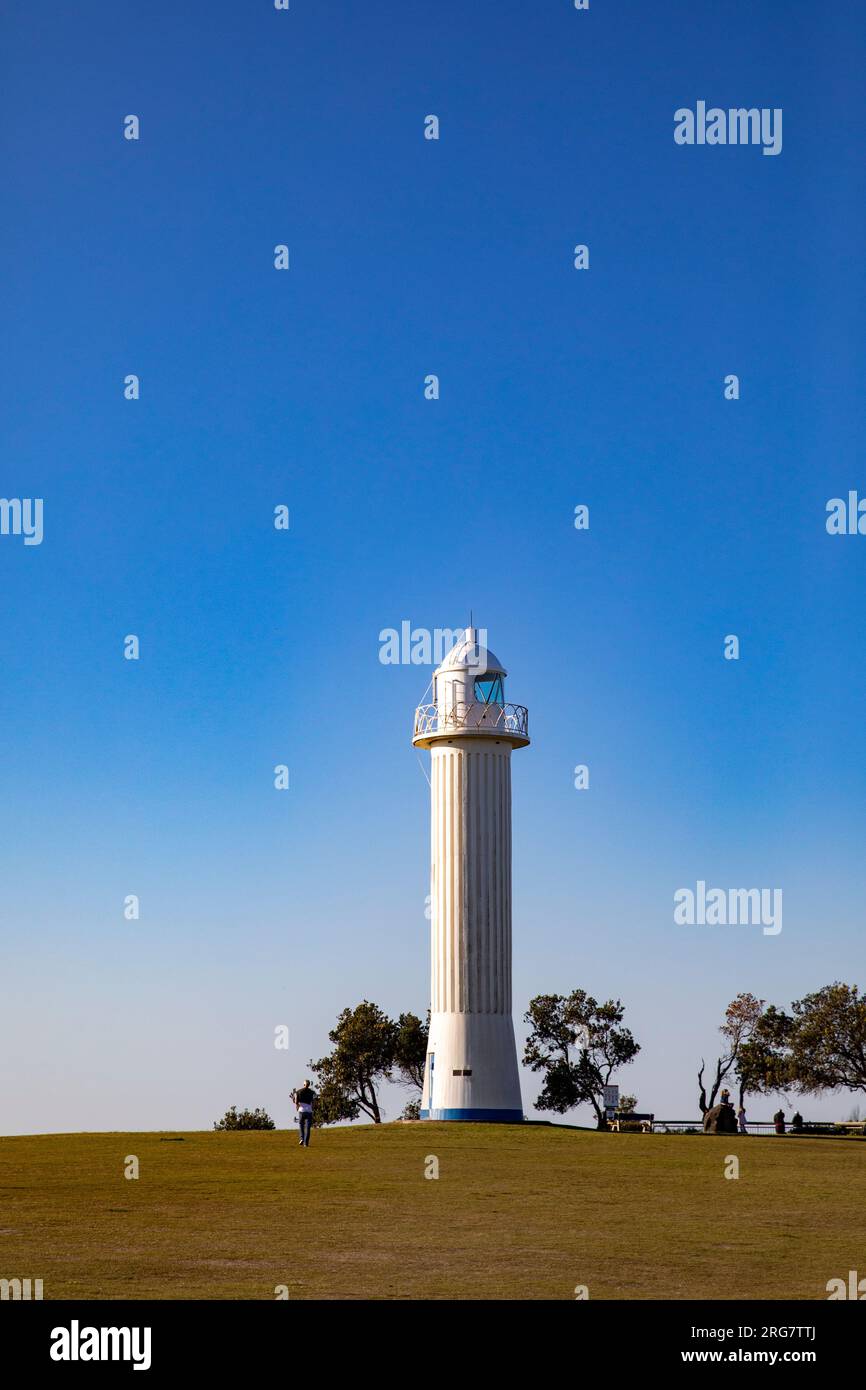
(828, 1045)
(364, 1043)
(410, 1049)
(741, 1019)
(333, 1101)
(562, 1025)
(627, 1105)
(246, 1119)
(369, 1048)
(821, 1045)
(764, 1063)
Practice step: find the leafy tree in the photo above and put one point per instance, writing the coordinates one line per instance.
(741, 1019)
(764, 1061)
(820, 1046)
(364, 1042)
(410, 1049)
(369, 1048)
(245, 1119)
(627, 1105)
(333, 1103)
(578, 1044)
(828, 1040)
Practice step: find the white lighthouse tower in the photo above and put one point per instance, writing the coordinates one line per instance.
(471, 1071)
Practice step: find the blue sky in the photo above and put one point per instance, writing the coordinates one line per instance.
(305, 387)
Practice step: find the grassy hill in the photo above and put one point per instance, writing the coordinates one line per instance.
(517, 1212)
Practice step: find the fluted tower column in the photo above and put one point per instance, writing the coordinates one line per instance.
(471, 1071)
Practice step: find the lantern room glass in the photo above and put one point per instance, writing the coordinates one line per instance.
(488, 690)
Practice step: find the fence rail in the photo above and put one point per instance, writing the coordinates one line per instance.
(761, 1126)
(477, 717)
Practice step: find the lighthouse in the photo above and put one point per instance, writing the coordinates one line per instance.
(471, 1068)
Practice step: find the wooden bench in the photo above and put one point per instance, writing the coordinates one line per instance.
(645, 1121)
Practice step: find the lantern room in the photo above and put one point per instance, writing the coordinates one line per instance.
(468, 697)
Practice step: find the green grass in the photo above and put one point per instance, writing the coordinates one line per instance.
(517, 1212)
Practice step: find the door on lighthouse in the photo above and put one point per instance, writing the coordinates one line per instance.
(430, 1084)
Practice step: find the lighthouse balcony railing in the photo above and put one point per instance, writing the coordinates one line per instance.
(480, 717)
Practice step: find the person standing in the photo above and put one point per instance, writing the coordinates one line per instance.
(741, 1119)
(779, 1121)
(304, 1099)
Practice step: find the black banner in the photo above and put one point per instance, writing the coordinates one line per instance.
(250, 1337)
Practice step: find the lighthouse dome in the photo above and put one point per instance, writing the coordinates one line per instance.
(469, 654)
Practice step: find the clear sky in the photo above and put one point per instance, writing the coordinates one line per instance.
(306, 387)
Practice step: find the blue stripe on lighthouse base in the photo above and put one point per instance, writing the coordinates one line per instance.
(498, 1117)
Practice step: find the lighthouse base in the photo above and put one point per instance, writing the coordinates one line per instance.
(471, 1072)
(491, 1117)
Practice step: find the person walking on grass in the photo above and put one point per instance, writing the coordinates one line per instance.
(304, 1098)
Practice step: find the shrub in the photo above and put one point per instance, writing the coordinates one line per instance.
(245, 1119)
